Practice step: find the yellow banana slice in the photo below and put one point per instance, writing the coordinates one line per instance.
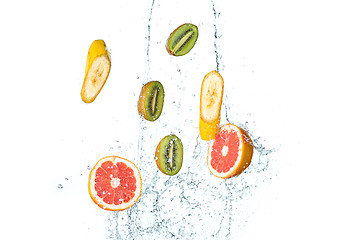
(212, 89)
(96, 71)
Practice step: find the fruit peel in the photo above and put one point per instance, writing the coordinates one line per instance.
(161, 145)
(97, 52)
(176, 46)
(93, 193)
(245, 157)
(144, 98)
(212, 89)
(208, 130)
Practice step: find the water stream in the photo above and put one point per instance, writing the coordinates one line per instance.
(192, 204)
(189, 204)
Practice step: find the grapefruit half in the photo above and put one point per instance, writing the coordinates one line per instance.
(230, 152)
(115, 183)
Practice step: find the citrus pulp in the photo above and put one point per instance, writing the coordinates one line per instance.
(230, 152)
(115, 183)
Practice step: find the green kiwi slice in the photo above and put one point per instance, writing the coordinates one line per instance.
(169, 155)
(151, 100)
(182, 39)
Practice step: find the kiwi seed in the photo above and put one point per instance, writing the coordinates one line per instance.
(182, 39)
(151, 100)
(169, 155)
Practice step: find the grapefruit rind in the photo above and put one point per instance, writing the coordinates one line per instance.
(245, 152)
(99, 201)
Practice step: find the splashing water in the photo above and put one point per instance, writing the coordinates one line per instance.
(192, 204)
(189, 204)
(217, 37)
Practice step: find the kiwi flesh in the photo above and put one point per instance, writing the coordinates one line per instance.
(151, 100)
(182, 39)
(169, 155)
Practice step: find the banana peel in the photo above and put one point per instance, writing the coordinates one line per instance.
(208, 130)
(97, 70)
(212, 89)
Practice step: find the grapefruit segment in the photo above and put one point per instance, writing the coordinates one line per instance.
(230, 152)
(115, 183)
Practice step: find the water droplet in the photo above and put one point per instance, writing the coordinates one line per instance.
(60, 186)
(88, 168)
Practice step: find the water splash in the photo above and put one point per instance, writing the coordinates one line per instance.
(192, 204)
(217, 37)
(189, 204)
(73, 177)
(145, 79)
(147, 72)
(220, 67)
(114, 226)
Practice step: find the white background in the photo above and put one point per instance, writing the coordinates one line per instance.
(304, 95)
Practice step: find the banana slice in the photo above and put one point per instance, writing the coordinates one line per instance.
(96, 71)
(212, 89)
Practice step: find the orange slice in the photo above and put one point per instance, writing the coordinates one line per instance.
(115, 183)
(211, 95)
(230, 152)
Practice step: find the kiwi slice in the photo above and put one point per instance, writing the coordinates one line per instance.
(182, 39)
(169, 155)
(151, 100)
